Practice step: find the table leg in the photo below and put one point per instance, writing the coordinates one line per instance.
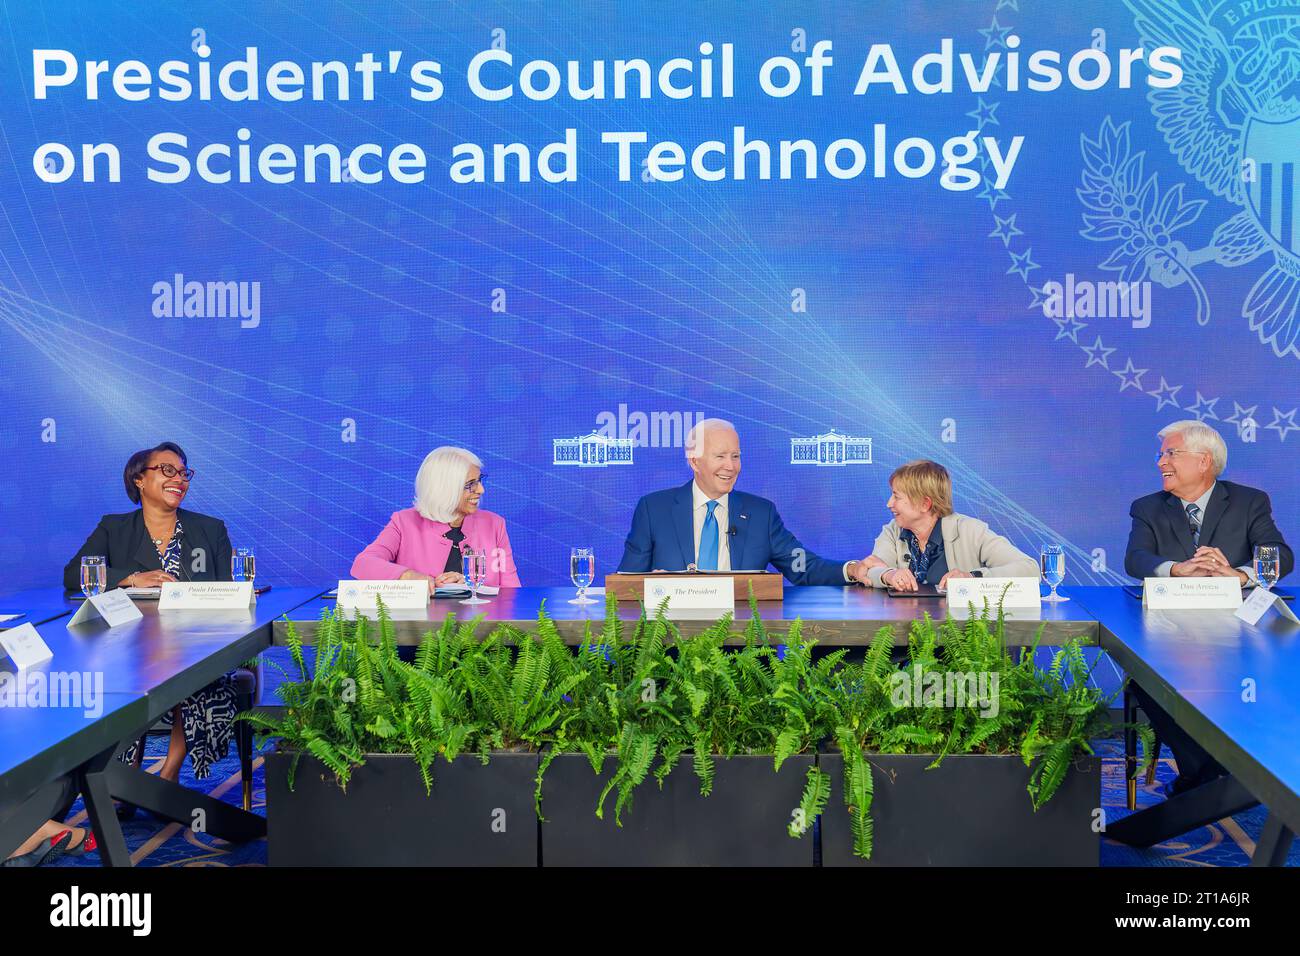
(1193, 808)
(1130, 746)
(1274, 843)
(174, 802)
(92, 781)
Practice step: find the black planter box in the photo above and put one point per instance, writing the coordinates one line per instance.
(741, 823)
(386, 819)
(971, 810)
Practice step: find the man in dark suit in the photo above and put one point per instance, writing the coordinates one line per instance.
(707, 525)
(1198, 526)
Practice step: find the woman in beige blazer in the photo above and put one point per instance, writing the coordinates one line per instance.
(927, 543)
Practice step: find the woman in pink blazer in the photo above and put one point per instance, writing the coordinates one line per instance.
(425, 541)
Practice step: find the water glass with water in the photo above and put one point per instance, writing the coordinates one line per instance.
(1051, 563)
(94, 575)
(582, 571)
(474, 566)
(1267, 565)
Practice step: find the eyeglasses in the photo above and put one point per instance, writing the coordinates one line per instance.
(479, 481)
(171, 471)
(1176, 451)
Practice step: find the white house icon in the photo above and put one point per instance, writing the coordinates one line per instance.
(831, 448)
(592, 451)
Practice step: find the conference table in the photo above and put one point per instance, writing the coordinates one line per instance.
(1192, 662)
(833, 616)
(1235, 689)
(147, 667)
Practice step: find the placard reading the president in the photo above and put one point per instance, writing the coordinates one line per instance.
(113, 606)
(1020, 592)
(206, 596)
(1182, 593)
(705, 592)
(407, 595)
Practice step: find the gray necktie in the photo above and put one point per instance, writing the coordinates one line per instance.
(1194, 518)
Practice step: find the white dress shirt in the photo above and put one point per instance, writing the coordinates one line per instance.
(699, 512)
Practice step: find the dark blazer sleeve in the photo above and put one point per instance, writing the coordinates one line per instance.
(98, 543)
(638, 547)
(1263, 530)
(799, 565)
(220, 556)
(1140, 557)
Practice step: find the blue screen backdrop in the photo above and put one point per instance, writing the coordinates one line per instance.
(514, 317)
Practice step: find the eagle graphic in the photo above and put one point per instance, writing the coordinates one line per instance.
(1234, 123)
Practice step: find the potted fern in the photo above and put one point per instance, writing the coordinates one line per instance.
(963, 754)
(682, 752)
(385, 762)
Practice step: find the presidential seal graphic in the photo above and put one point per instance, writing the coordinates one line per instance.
(1233, 123)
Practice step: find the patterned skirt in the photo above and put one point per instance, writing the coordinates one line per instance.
(207, 718)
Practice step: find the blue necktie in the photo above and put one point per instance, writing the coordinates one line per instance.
(1194, 518)
(709, 541)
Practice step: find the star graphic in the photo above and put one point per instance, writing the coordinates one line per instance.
(1240, 415)
(995, 34)
(1038, 297)
(1093, 359)
(1130, 377)
(1009, 4)
(1203, 408)
(1283, 424)
(1165, 394)
(1006, 228)
(983, 115)
(1022, 265)
(994, 196)
(1070, 329)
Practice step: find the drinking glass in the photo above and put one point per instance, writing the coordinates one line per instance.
(1267, 562)
(1051, 562)
(474, 567)
(582, 571)
(243, 565)
(94, 575)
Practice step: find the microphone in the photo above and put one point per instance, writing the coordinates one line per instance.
(731, 531)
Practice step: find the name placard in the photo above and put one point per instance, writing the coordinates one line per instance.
(1020, 592)
(706, 592)
(1171, 594)
(113, 606)
(25, 647)
(1257, 605)
(408, 595)
(206, 596)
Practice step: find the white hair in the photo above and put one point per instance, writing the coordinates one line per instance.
(695, 437)
(441, 481)
(1199, 437)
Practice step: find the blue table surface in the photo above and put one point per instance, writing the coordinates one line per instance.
(1216, 663)
(39, 743)
(38, 605)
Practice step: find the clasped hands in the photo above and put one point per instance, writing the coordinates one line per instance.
(1207, 562)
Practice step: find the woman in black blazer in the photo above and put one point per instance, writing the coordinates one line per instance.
(157, 543)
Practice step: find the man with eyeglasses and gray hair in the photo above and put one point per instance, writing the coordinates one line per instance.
(1198, 526)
